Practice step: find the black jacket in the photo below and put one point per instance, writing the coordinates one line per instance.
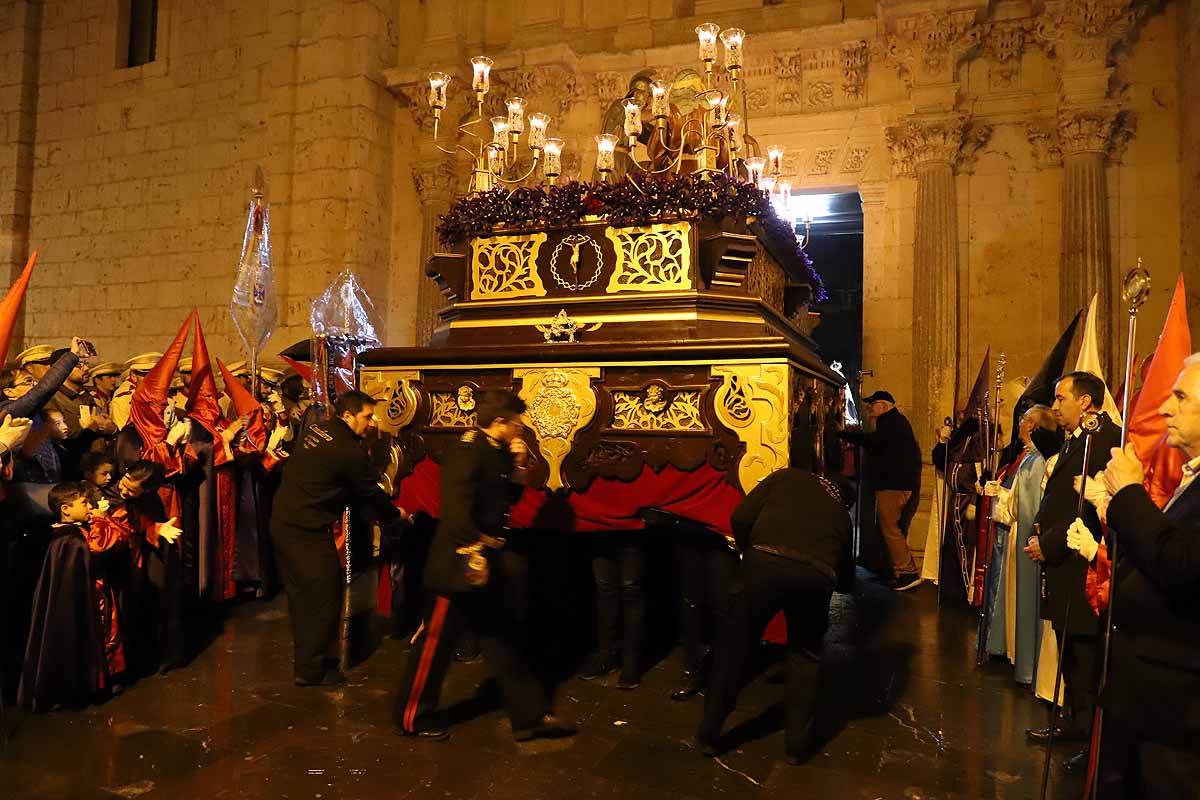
(797, 510)
(1154, 685)
(893, 455)
(1065, 570)
(478, 486)
(328, 471)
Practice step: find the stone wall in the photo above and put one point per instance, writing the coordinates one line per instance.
(1189, 156)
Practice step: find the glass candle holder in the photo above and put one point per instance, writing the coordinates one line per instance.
(516, 115)
(500, 132)
(438, 82)
(495, 158)
(718, 103)
(552, 153)
(707, 34)
(633, 118)
(754, 168)
(606, 146)
(766, 183)
(733, 39)
(481, 68)
(660, 99)
(775, 160)
(733, 121)
(537, 130)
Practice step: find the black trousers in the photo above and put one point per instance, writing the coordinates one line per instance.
(496, 613)
(312, 577)
(160, 606)
(1081, 677)
(619, 568)
(708, 569)
(767, 585)
(1133, 768)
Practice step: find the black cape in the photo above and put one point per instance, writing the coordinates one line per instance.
(64, 657)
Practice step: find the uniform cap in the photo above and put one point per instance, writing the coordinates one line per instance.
(38, 354)
(271, 377)
(238, 369)
(143, 363)
(107, 368)
(185, 365)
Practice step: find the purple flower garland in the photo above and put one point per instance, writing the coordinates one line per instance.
(713, 198)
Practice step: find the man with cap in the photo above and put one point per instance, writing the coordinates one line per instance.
(241, 371)
(84, 425)
(135, 369)
(106, 377)
(893, 464)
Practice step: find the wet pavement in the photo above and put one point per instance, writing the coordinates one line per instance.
(904, 713)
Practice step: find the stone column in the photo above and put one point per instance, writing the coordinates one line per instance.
(1085, 265)
(436, 183)
(928, 148)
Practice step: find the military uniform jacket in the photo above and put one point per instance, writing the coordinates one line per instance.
(478, 486)
(328, 471)
(1065, 571)
(1154, 684)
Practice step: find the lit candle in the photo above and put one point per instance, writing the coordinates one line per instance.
(438, 81)
(733, 38)
(719, 103)
(766, 183)
(482, 68)
(500, 132)
(775, 160)
(660, 99)
(537, 130)
(516, 115)
(733, 121)
(494, 157)
(707, 34)
(633, 118)
(754, 168)
(606, 146)
(552, 166)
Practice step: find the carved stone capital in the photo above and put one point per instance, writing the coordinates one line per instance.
(1084, 31)
(821, 78)
(949, 139)
(435, 180)
(1004, 42)
(550, 88)
(927, 48)
(1099, 129)
(1043, 139)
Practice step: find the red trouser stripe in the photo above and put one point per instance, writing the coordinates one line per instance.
(427, 651)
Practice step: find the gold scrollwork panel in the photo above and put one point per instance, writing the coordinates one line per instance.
(559, 402)
(505, 267)
(653, 258)
(397, 400)
(753, 401)
(452, 409)
(655, 411)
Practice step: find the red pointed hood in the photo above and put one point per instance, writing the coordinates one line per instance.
(150, 397)
(246, 406)
(10, 306)
(202, 404)
(303, 370)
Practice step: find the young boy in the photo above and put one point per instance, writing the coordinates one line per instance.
(65, 653)
(97, 471)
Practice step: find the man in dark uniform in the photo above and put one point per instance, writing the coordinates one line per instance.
(794, 532)
(327, 472)
(1152, 701)
(479, 582)
(1065, 574)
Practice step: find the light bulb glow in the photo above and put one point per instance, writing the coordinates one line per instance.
(481, 67)
(516, 114)
(633, 118)
(552, 166)
(500, 132)
(733, 39)
(606, 146)
(438, 82)
(707, 34)
(660, 98)
(775, 160)
(537, 130)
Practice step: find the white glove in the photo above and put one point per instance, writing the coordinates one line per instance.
(1080, 539)
(992, 489)
(168, 531)
(102, 506)
(13, 431)
(178, 432)
(277, 437)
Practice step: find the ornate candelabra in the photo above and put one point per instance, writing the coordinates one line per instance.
(718, 138)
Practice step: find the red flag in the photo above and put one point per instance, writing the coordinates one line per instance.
(150, 397)
(303, 370)
(246, 406)
(1147, 428)
(202, 404)
(10, 306)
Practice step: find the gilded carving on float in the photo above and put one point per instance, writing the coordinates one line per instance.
(559, 403)
(753, 401)
(397, 399)
(573, 261)
(653, 258)
(605, 453)
(452, 409)
(505, 267)
(657, 411)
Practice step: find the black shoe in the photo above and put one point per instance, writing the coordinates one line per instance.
(597, 667)
(1042, 735)
(905, 581)
(548, 727)
(428, 734)
(1077, 764)
(691, 685)
(629, 680)
(708, 746)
